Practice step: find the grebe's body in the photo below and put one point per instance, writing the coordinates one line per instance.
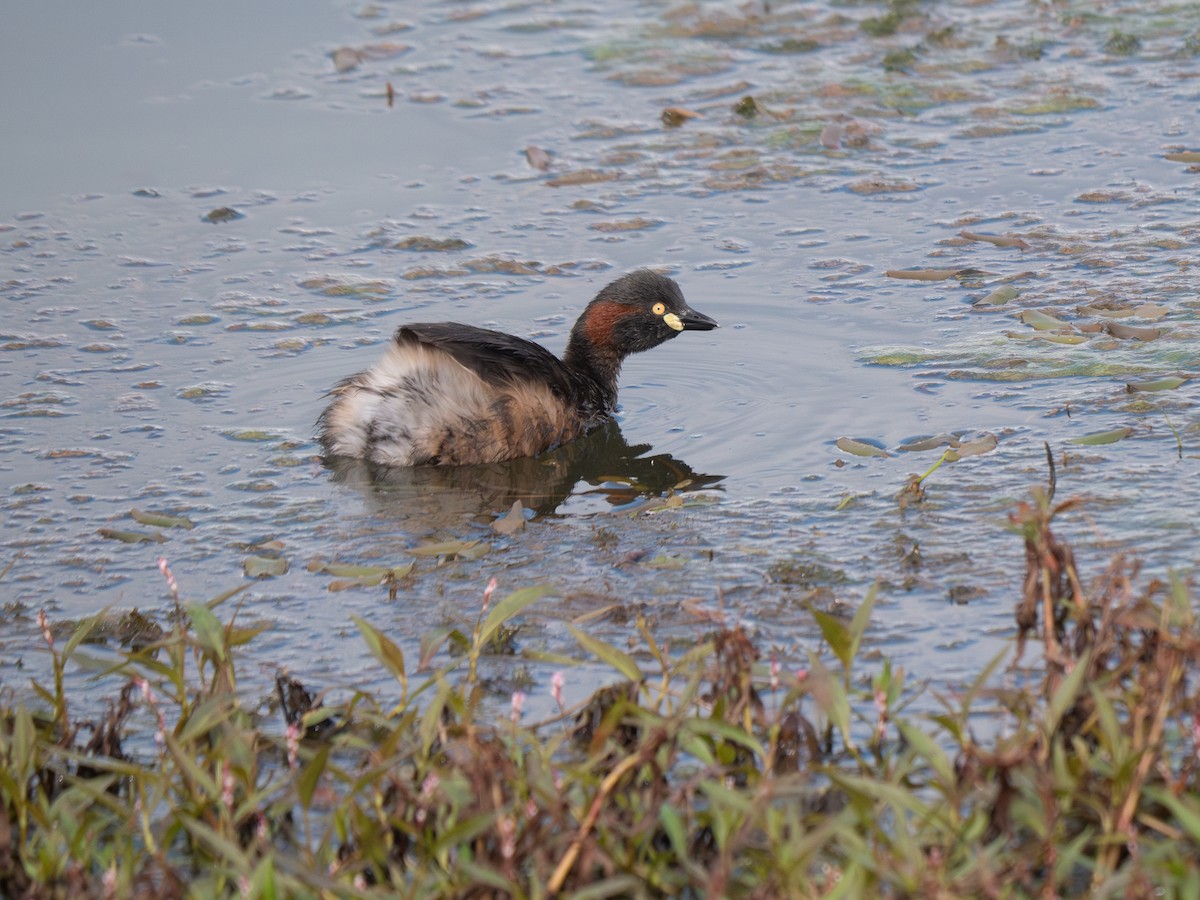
(455, 395)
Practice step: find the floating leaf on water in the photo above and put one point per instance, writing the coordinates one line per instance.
(999, 296)
(999, 240)
(637, 224)
(512, 521)
(1103, 437)
(1051, 336)
(930, 442)
(748, 107)
(860, 447)
(582, 176)
(1041, 321)
(359, 576)
(1104, 196)
(431, 245)
(347, 59)
(223, 214)
(1184, 156)
(132, 537)
(662, 561)
(1110, 312)
(537, 158)
(161, 520)
(347, 570)
(264, 566)
(1121, 43)
(1166, 383)
(252, 435)
(1151, 311)
(1056, 103)
(674, 116)
(1132, 332)
(880, 185)
(930, 274)
(452, 549)
(977, 447)
(1055, 338)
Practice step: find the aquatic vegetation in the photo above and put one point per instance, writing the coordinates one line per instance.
(709, 768)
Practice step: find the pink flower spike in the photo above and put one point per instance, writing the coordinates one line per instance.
(801, 674)
(557, 681)
(167, 574)
(293, 745)
(487, 593)
(774, 672)
(227, 785)
(45, 626)
(518, 704)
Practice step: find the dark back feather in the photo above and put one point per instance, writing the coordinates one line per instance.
(494, 356)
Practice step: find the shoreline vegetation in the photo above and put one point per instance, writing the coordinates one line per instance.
(711, 773)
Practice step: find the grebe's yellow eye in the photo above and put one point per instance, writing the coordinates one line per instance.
(658, 309)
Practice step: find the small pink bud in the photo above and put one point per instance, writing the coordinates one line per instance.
(293, 745)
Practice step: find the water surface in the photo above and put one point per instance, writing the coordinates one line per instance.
(155, 359)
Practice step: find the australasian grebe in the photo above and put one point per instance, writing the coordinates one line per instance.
(456, 395)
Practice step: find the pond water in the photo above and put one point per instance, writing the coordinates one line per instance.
(497, 163)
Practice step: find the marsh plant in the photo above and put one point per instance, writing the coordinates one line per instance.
(716, 772)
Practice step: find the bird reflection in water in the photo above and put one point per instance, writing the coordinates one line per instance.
(599, 465)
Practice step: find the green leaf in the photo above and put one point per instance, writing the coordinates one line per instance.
(385, 651)
(82, 630)
(622, 662)
(1102, 437)
(1187, 814)
(858, 625)
(161, 520)
(1065, 695)
(726, 731)
(190, 767)
(306, 783)
(836, 635)
(926, 748)
(264, 566)
(672, 823)
(209, 631)
(857, 447)
(509, 607)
